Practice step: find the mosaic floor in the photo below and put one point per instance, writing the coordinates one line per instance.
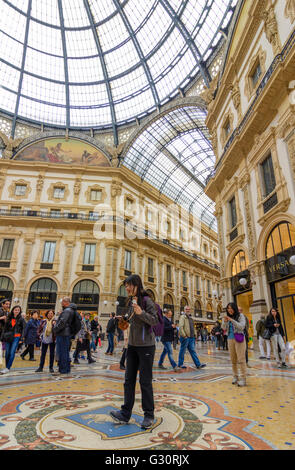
(195, 409)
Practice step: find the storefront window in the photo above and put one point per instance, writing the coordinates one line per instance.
(240, 263)
(280, 239)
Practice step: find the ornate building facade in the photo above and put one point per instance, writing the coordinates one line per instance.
(251, 119)
(75, 224)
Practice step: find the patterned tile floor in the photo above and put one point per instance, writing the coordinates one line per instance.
(195, 409)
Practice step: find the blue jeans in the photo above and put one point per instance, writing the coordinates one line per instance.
(190, 344)
(10, 349)
(93, 340)
(111, 343)
(63, 354)
(167, 350)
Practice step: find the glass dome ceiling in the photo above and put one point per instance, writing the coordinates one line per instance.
(174, 154)
(103, 63)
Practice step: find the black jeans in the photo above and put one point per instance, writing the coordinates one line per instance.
(84, 346)
(123, 357)
(139, 358)
(44, 347)
(29, 350)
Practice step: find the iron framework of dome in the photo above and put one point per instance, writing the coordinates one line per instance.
(103, 63)
(174, 154)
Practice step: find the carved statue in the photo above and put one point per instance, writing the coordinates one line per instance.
(10, 145)
(115, 152)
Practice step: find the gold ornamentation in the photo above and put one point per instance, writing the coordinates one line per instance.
(290, 10)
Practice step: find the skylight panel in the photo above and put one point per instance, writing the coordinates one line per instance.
(121, 59)
(80, 43)
(45, 39)
(74, 13)
(44, 65)
(46, 11)
(85, 70)
(13, 51)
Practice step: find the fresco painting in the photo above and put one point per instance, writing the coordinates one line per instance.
(62, 151)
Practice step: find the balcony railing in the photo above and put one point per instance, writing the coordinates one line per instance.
(104, 218)
(274, 65)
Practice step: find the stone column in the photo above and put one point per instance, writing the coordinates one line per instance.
(65, 287)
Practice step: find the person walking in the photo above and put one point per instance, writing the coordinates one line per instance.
(94, 333)
(187, 339)
(274, 325)
(260, 329)
(234, 323)
(224, 340)
(111, 330)
(217, 332)
(12, 331)
(83, 340)
(142, 314)
(4, 312)
(31, 336)
(167, 339)
(47, 340)
(63, 332)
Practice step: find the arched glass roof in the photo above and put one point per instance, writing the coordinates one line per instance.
(174, 154)
(103, 63)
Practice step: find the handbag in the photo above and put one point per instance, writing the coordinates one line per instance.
(239, 337)
(7, 336)
(266, 334)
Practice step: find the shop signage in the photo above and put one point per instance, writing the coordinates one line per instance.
(85, 299)
(279, 267)
(42, 298)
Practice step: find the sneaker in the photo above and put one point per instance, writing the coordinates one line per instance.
(118, 417)
(235, 381)
(262, 357)
(182, 367)
(91, 361)
(4, 371)
(147, 423)
(39, 370)
(242, 383)
(176, 369)
(32, 359)
(22, 356)
(201, 366)
(162, 367)
(51, 370)
(283, 366)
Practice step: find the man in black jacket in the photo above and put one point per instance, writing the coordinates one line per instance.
(167, 340)
(111, 329)
(62, 331)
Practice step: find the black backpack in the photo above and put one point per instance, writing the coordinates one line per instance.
(76, 324)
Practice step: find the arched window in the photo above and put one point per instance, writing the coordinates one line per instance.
(6, 288)
(280, 239)
(209, 310)
(44, 285)
(86, 296)
(42, 294)
(198, 309)
(240, 263)
(183, 303)
(87, 286)
(168, 302)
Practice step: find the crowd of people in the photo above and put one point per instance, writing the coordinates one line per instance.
(146, 327)
(54, 333)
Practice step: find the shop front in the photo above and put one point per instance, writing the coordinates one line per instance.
(42, 296)
(86, 296)
(280, 273)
